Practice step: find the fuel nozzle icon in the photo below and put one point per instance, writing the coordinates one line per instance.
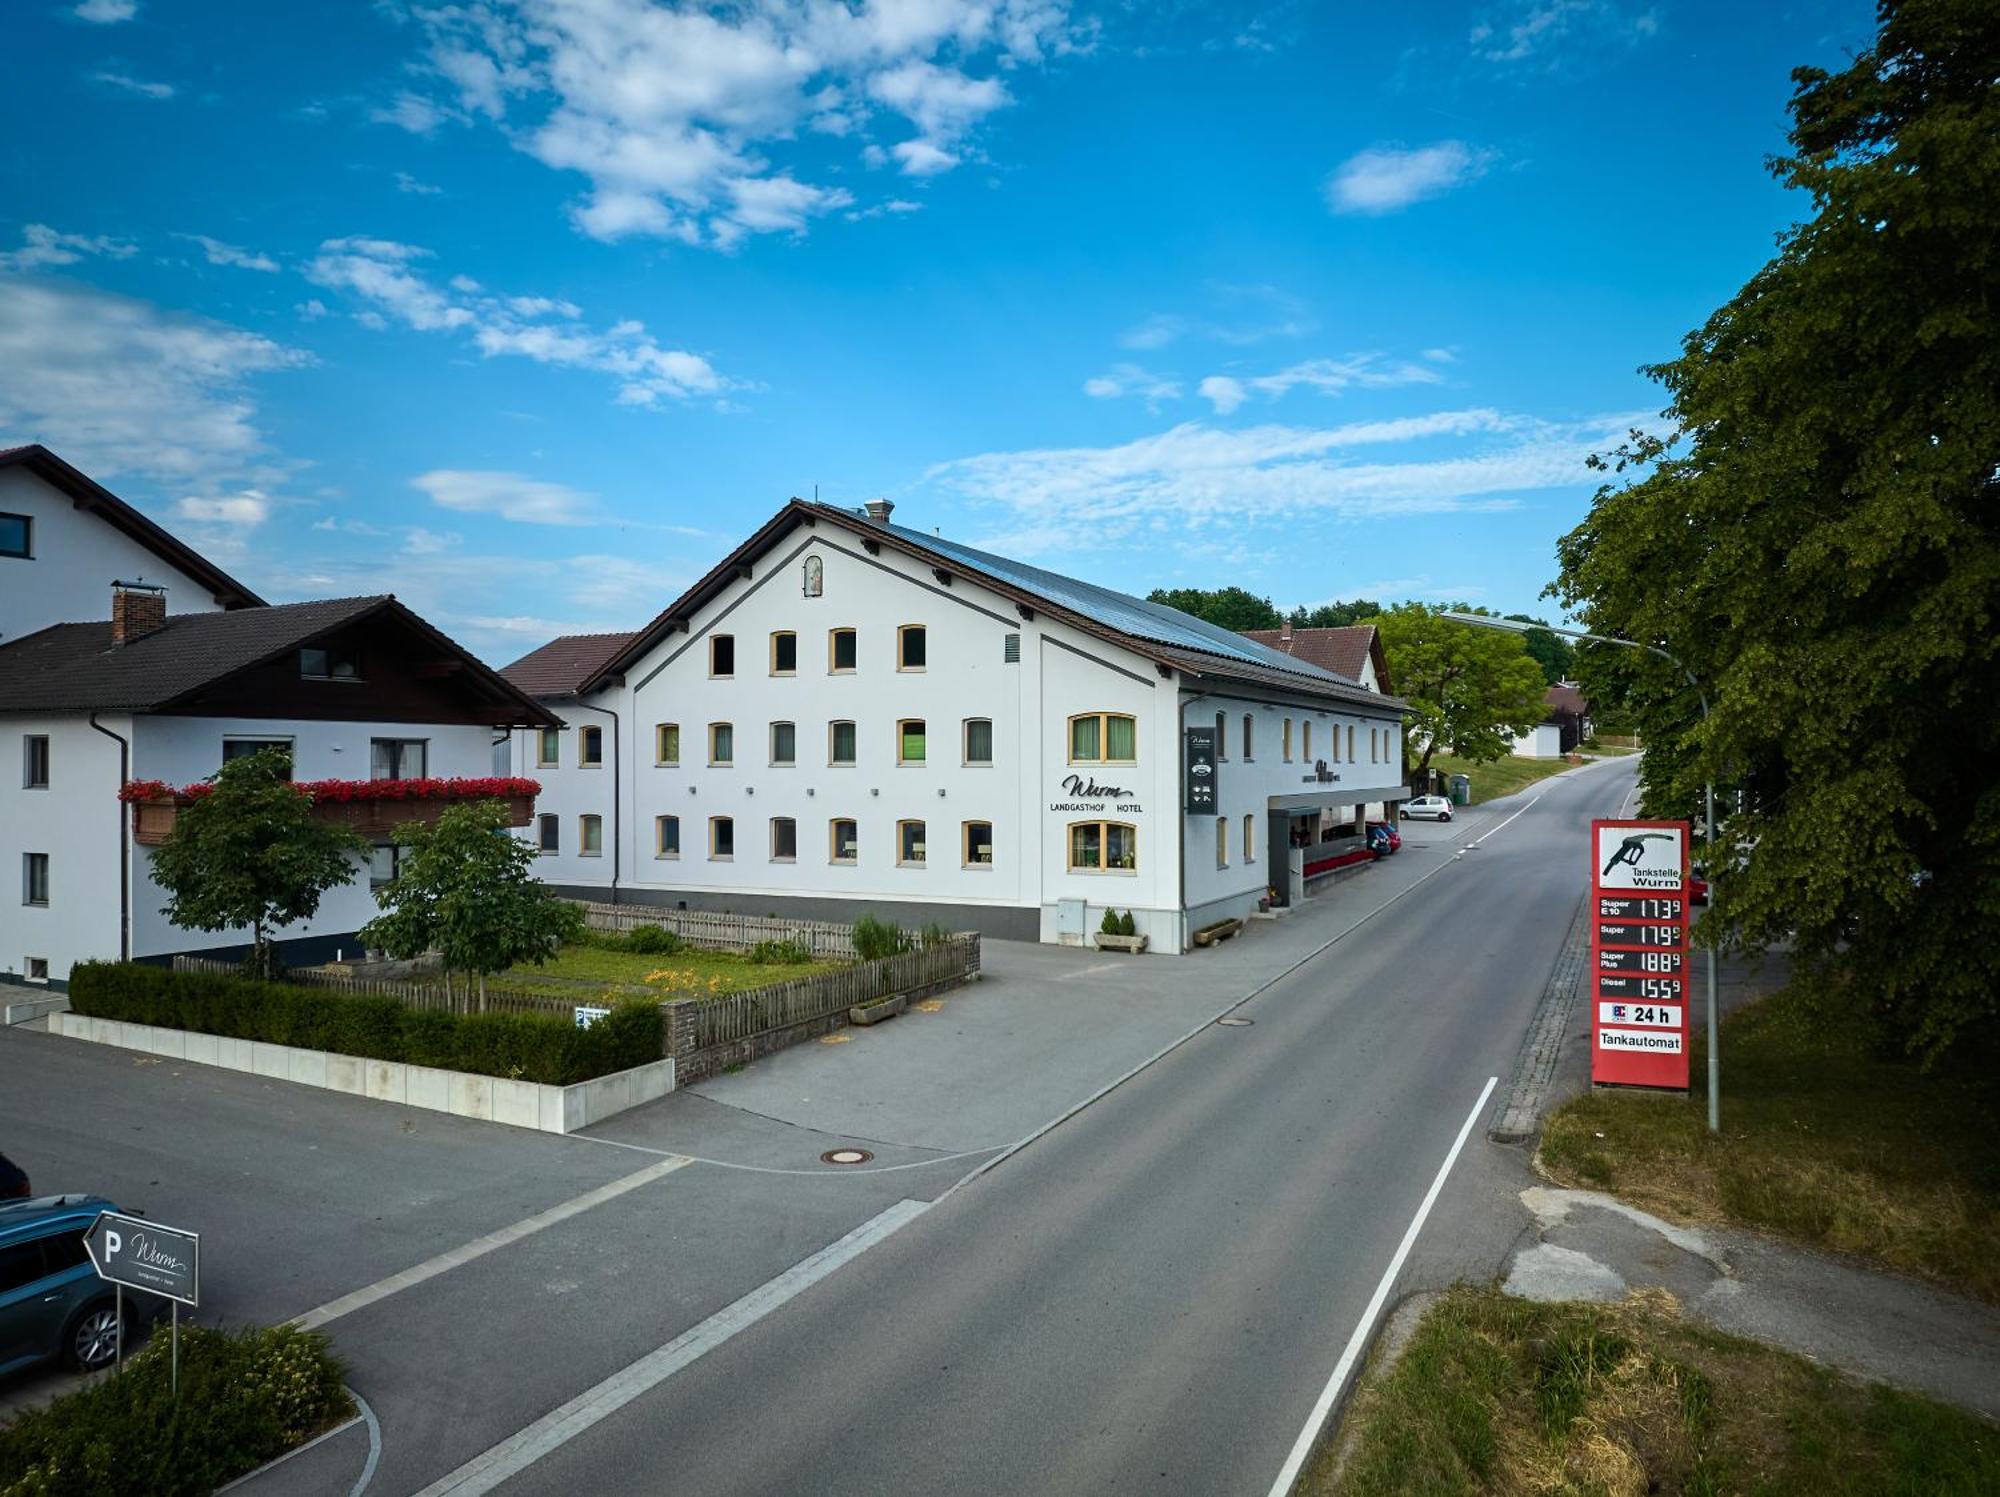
(1633, 849)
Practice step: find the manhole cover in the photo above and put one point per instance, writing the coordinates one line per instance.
(846, 1156)
(1237, 1023)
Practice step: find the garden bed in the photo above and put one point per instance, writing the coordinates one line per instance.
(696, 974)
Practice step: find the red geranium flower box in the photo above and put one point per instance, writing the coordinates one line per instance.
(374, 808)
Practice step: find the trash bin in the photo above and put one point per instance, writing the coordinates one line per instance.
(1461, 790)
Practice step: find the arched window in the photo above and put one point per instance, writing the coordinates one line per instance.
(1249, 837)
(814, 574)
(1221, 735)
(843, 838)
(1103, 738)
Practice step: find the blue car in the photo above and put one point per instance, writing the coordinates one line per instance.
(53, 1306)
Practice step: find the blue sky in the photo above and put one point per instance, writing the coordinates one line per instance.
(529, 311)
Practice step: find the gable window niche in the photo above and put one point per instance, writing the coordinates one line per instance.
(812, 577)
(722, 655)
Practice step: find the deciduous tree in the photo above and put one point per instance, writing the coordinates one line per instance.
(1816, 531)
(1470, 690)
(1229, 607)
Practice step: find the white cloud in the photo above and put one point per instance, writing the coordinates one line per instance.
(1327, 376)
(417, 541)
(228, 254)
(311, 309)
(42, 245)
(511, 496)
(1132, 379)
(389, 278)
(119, 386)
(686, 120)
(1386, 179)
(1192, 475)
(1545, 28)
(128, 84)
(245, 510)
(1248, 314)
(106, 12)
(407, 183)
(1441, 355)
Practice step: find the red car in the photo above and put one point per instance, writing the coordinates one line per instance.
(1379, 831)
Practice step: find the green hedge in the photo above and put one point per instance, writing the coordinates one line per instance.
(522, 1047)
(246, 1397)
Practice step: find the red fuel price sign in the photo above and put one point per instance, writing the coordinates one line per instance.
(1638, 973)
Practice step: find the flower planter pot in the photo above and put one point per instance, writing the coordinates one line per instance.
(876, 1012)
(153, 821)
(1132, 944)
(153, 818)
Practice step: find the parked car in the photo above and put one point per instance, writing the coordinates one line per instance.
(53, 1306)
(1427, 808)
(1698, 883)
(1384, 839)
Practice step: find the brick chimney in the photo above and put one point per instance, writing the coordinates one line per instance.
(136, 611)
(879, 510)
(1285, 634)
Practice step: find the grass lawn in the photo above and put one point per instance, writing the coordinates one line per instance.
(1502, 776)
(696, 973)
(1824, 1140)
(1501, 1395)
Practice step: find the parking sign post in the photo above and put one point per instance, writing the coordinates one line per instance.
(130, 1250)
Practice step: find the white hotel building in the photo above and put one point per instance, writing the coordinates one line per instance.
(847, 714)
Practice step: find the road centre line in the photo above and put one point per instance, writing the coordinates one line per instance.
(559, 1426)
(1356, 1343)
(479, 1247)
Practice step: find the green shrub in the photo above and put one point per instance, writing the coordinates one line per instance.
(934, 934)
(787, 953)
(652, 940)
(1127, 926)
(546, 1048)
(875, 939)
(246, 1397)
(1108, 926)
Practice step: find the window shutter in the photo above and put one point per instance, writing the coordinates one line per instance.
(1012, 652)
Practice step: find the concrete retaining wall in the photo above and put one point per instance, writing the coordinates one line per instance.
(492, 1099)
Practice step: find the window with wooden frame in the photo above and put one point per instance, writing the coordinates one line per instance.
(784, 745)
(1103, 847)
(979, 740)
(841, 652)
(912, 646)
(722, 655)
(1306, 740)
(1287, 742)
(666, 743)
(548, 832)
(1249, 735)
(840, 739)
(784, 840)
(590, 747)
(1350, 745)
(910, 740)
(721, 743)
(1103, 738)
(590, 836)
(1249, 837)
(976, 844)
(843, 840)
(548, 748)
(784, 653)
(1222, 841)
(910, 844)
(666, 836)
(721, 838)
(1333, 748)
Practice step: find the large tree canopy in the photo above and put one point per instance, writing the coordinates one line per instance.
(1470, 690)
(1230, 607)
(1815, 535)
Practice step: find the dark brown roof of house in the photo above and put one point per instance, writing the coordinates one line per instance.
(560, 667)
(91, 496)
(1343, 651)
(1173, 640)
(1564, 697)
(76, 667)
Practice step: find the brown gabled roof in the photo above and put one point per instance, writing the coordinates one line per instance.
(1173, 640)
(77, 668)
(86, 493)
(1343, 651)
(560, 667)
(1565, 697)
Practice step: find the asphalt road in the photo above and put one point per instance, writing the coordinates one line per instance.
(1152, 1296)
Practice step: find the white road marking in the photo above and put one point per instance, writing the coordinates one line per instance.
(479, 1247)
(374, 1446)
(559, 1426)
(1309, 1436)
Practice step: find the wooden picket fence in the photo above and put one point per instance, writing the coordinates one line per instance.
(758, 1011)
(720, 930)
(499, 999)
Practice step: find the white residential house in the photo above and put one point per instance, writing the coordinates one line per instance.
(849, 715)
(353, 688)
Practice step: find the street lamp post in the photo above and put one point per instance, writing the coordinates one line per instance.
(1515, 626)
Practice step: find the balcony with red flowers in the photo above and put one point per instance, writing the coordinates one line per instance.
(373, 808)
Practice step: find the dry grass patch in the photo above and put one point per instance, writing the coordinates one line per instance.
(1505, 1396)
(1826, 1139)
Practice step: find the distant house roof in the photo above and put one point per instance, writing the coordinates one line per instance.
(560, 667)
(87, 494)
(1344, 651)
(1565, 696)
(77, 668)
(1171, 639)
